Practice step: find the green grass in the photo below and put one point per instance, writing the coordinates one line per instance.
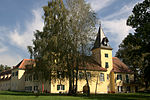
(8, 95)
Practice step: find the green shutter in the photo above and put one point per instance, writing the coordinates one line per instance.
(63, 87)
(58, 87)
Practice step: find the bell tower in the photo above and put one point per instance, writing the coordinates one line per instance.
(102, 51)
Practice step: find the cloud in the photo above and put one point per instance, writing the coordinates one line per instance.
(3, 31)
(97, 5)
(124, 11)
(9, 59)
(3, 48)
(116, 30)
(24, 38)
(15, 49)
(115, 25)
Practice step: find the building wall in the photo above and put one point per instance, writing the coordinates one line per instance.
(23, 82)
(112, 82)
(96, 86)
(5, 85)
(102, 86)
(5, 81)
(32, 84)
(99, 55)
(18, 83)
(17, 80)
(56, 82)
(123, 83)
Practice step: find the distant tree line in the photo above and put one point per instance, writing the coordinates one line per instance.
(4, 67)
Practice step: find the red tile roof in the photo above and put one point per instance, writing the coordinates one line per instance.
(119, 66)
(90, 66)
(96, 68)
(93, 67)
(23, 63)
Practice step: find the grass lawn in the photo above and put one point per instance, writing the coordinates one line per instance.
(7, 95)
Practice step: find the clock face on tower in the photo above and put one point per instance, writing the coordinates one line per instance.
(105, 41)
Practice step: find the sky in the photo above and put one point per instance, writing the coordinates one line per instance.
(20, 18)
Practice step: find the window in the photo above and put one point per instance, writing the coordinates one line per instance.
(128, 88)
(28, 88)
(30, 78)
(119, 77)
(60, 87)
(81, 75)
(13, 74)
(35, 88)
(106, 65)
(88, 75)
(101, 76)
(120, 89)
(127, 78)
(16, 73)
(107, 76)
(106, 55)
(26, 78)
(35, 77)
(60, 74)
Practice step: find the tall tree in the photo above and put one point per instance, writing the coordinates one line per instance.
(48, 43)
(82, 26)
(134, 48)
(61, 46)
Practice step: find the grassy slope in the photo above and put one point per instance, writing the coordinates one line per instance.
(6, 95)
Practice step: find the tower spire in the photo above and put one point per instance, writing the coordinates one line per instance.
(101, 39)
(100, 24)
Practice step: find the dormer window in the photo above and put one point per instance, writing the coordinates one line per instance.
(16, 74)
(13, 74)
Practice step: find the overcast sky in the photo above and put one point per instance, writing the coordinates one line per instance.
(20, 18)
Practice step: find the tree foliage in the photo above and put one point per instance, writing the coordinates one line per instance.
(82, 25)
(134, 49)
(63, 43)
(4, 67)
